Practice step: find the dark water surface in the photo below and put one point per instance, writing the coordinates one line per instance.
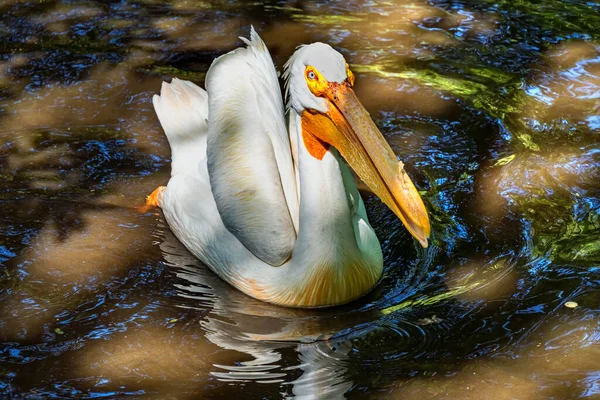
(493, 105)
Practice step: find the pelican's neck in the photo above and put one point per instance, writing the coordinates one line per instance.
(325, 207)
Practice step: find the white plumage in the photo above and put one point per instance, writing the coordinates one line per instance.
(249, 198)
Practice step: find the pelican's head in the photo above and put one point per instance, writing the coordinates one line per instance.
(319, 88)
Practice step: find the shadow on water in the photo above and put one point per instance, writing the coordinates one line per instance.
(493, 106)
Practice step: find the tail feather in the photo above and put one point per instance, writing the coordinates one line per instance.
(182, 109)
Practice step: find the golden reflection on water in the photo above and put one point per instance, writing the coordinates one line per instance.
(530, 176)
(199, 35)
(492, 281)
(570, 91)
(561, 104)
(384, 95)
(559, 361)
(65, 265)
(149, 359)
(103, 99)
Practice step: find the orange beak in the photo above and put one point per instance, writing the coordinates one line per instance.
(347, 126)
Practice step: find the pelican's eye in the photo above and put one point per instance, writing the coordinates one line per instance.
(317, 84)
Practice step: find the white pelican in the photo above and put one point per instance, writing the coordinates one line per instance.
(276, 213)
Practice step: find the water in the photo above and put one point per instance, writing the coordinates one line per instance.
(493, 106)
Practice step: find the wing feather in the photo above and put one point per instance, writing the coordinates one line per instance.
(249, 161)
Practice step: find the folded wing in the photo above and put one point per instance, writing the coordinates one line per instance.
(248, 152)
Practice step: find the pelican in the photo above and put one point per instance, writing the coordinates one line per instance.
(273, 209)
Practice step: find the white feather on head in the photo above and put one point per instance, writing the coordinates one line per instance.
(324, 59)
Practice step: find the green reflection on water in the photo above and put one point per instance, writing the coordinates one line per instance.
(326, 19)
(555, 16)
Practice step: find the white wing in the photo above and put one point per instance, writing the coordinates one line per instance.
(249, 162)
(182, 109)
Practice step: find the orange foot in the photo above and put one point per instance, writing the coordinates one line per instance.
(153, 200)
